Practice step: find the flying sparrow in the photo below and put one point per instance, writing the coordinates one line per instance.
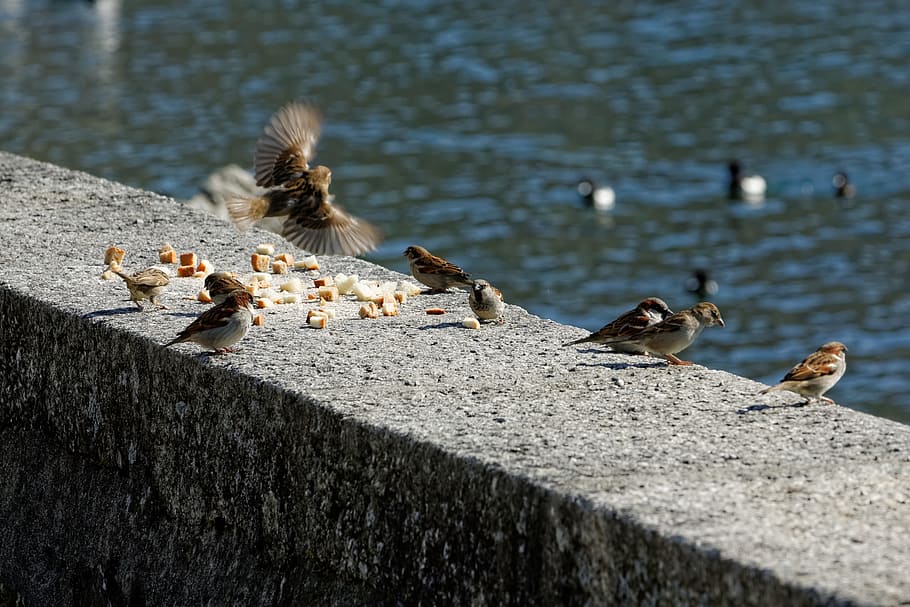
(486, 300)
(816, 374)
(675, 333)
(220, 285)
(648, 312)
(435, 272)
(220, 326)
(145, 284)
(298, 192)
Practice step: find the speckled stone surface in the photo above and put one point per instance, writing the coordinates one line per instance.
(402, 459)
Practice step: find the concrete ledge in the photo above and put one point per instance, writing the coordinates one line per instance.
(401, 460)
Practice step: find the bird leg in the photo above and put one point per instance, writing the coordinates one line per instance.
(675, 361)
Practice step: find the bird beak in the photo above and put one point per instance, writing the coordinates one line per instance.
(720, 321)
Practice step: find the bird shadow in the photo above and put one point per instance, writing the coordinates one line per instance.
(621, 366)
(442, 325)
(111, 312)
(763, 407)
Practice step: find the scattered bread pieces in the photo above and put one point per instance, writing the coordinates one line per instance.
(389, 308)
(325, 281)
(113, 256)
(167, 254)
(317, 319)
(290, 298)
(307, 263)
(252, 290)
(364, 291)
(294, 285)
(260, 262)
(400, 296)
(369, 310)
(266, 248)
(435, 311)
(205, 266)
(108, 275)
(186, 271)
(198, 274)
(279, 267)
(408, 287)
(286, 258)
(204, 296)
(330, 312)
(189, 259)
(345, 283)
(264, 302)
(470, 323)
(329, 293)
(259, 320)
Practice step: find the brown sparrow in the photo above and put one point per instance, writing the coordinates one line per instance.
(220, 285)
(220, 326)
(435, 272)
(816, 374)
(298, 192)
(145, 284)
(648, 312)
(486, 300)
(675, 333)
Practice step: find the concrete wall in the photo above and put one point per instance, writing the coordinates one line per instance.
(400, 460)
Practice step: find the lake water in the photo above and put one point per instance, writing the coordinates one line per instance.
(465, 127)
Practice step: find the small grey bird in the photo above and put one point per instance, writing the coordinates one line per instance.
(435, 272)
(816, 374)
(145, 284)
(486, 300)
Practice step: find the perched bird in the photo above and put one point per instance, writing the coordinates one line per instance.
(816, 374)
(648, 312)
(486, 300)
(602, 198)
(750, 188)
(145, 284)
(220, 285)
(221, 326)
(435, 272)
(298, 192)
(701, 285)
(842, 186)
(675, 333)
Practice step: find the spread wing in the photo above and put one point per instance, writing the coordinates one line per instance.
(323, 228)
(287, 144)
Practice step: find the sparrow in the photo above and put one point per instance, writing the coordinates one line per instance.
(675, 333)
(601, 198)
(486, 300)
(221, 326)
(816, 374)
(298, 192)
(750, 188)
(648, 312)
(220, 285)
(435, 272)
(842, 186)
(145, 284)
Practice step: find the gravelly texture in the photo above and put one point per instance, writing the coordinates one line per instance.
(398, 459)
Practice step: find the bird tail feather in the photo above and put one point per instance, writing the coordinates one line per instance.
(245, 211)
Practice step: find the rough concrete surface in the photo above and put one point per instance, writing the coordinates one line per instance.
(398, 460)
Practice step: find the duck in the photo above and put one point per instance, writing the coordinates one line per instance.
(701, 285)
(601, 198)
(750, 188)
(842, 186)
